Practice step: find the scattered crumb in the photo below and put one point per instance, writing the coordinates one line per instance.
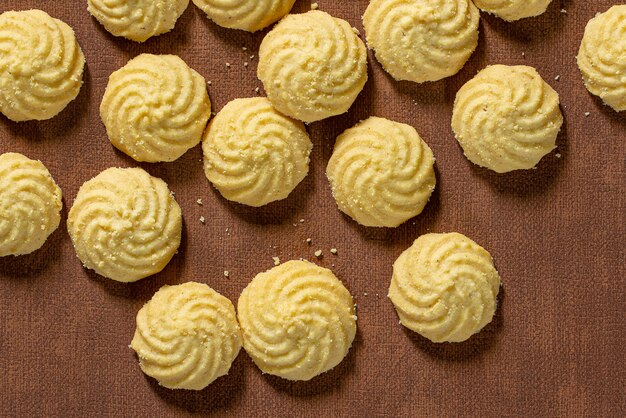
(318, 253)
(202, 220)
(356, 31)
(301, 221)
(251, 57)
(523, 54)
(333, 251)
(295, 224)
(557, 77)
(557, 155)
(256, 90)
(276, 260)
(209, 82)
(245, 64)
(315, 6)
(228, 64)
(226, 273)
(564, 11)
(587, 114)
(199, 201)
(243, 48)
(309, 240)
(364, 293)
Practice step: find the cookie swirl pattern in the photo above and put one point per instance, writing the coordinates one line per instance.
(419, 40)
(312, 66)
(137, 20)
(30, 204)
(298, 320)
(125, 224)
(155, 108)
(506, 118)
(444, 287)
(511, 10)
(187, 336)
(602, 57)
(381, 172)
(248, 15)
(253, 154)
(41, 65)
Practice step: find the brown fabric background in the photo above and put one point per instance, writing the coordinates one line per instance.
(557, 234)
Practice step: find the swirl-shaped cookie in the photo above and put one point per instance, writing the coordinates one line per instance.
(422, 40)
(248, 15)
(298, 320)
(41, 65)
(444, 287)
(312, 66)
(506, 118)
(30, 204)
(137, 20)
(187, 336)
(381, 172)
(125, 224)
(253, 154)
(511, 10)
(602, 57)
(155, 108)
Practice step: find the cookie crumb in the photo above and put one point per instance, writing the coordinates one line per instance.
(209, 82)
(356, 31)
(202, 220)
(587, 114)
(226, 273)
(243, 48)
(557, 155)
(318, 253)
(256, 90)
(315, 6)
(228, 65)
(309, 240)
(564, 11)
(199, 201)
(523, 54)
(245, 64)
(276, 260)
(251, 57)
(364, 293)
(557, 77)
(333, 251)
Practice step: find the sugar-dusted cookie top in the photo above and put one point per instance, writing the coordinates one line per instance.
(30, 204)
(253, 154)
(187, 336)
(298, 320)
(506, 118)
(444, 287)
(511, 10)
(312, 66)
(381, 172)
(602, 57)
(41, 65)
(422, 40)
(125, 224)
(155, 108)
(248, 15)
(137, 20)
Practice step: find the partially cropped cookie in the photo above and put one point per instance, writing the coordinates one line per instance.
(155, 108)
(30, 204)
(312, 65)
(253, 154)
(602, 57)
(137, 20)
(381, 172)
(298, 320)
(444, 287)
(41, 65)
(512, 10)
(187, 336)
(506, 118)
(422, 40)
(125, 224)
(248, 15)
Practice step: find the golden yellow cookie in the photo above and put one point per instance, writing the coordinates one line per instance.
(506, 118)
(422, 40)
(155, 108)
(253, 154)
(444, 287)
(30, 204)
(249, 15)
(298, 320)
(312, 66)
(187, 336)
(381, 172)
(511, 10)
(125, 224)
(41, 65)
(602, 57)
(137, 20)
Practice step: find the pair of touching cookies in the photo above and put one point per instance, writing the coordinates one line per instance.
(296, 321)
